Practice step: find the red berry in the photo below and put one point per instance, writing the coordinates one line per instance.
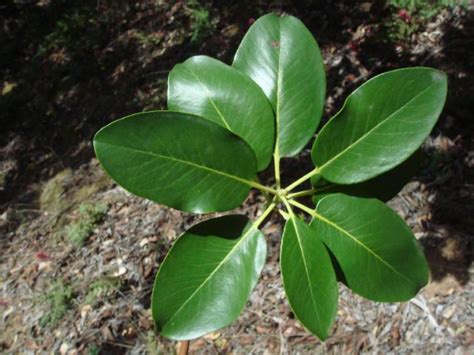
(41, 255)
(404, 15)
(353, 46)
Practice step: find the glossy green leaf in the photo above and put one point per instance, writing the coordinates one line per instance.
(383, 187)
(177, 159)
(215, 91)
(207, 276)
(281, 55)
(378, 254)
(380, 125)
(308, 277)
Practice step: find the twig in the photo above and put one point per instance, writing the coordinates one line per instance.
(183, 347)
(420, 302)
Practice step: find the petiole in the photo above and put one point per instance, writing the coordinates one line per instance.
(302, 179)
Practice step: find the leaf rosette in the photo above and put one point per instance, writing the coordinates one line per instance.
(225, 124)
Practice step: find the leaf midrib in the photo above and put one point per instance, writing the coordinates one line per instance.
(278, 94)
(306, 270)
(203, 167)
(209, 97)
(361, 138)
(357, 241)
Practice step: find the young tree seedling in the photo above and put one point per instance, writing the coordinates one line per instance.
(227, 123)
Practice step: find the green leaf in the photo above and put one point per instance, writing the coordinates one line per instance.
(215, 91)
(379, 256)
(177, 159)
(380, 125)
(281, 55)
(207, 277)
(308, 277)
(383, 187)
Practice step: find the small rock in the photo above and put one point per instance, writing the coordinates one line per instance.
(121, 271)
(449, 311)
(212, 336)
(289, 331)
(64, 348)
(261, 330)
(44, 266)
(85, 310)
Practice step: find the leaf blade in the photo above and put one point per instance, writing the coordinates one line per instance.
(391, 268)
(206, 279)
(302, 253)
(213, 90)
(380, 130)
(166, 157)
(283, 58)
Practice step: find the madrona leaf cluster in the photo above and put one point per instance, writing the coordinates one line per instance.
(225, 124)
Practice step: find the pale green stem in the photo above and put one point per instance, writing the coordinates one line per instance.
(262, 187)
(304, 208)
(302, 193)
(311, 191)
(264, 215)
(285, 215)
(315, 214)
(288, 207)
(302, 179)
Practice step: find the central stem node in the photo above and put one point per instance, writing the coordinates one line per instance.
(281, 193)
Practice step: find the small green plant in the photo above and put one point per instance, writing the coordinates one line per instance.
(426, 8)
(76, 28)
(151, 343)
(101, 288)
(201, 22)
(410, 16)
(146, 39)
(225, 125)
(58, 298)
(89, 215)
(93, 349)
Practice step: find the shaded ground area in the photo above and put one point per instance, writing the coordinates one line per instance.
(79, 254)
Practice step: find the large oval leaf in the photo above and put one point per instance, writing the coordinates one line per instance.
(207, 276)
(380, 125)
(177, 159)
(281, 55)
(308, 277)
(220, 93)
(378, 254)
(383, 187)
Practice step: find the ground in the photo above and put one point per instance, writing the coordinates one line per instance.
(79, 254)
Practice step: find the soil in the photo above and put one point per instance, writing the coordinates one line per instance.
(54, 103)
